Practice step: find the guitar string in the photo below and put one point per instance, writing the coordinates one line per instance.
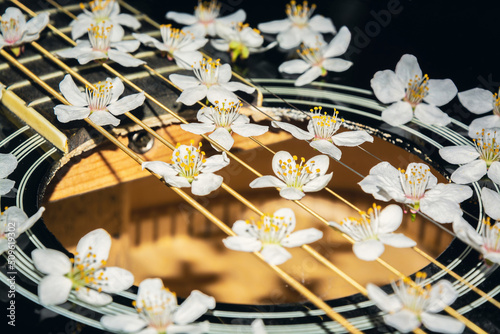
(484, 295)
(286, 277)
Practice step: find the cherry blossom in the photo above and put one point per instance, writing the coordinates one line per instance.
(8, 164)
(480, 101)
(14, 222)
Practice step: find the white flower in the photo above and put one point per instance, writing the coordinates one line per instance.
(299, 27)
(269, 235)
(412, 306)
(103, 10)
(99, 103)
(8, 164)
(319, 59)
(418, 188)
(321, 133)
(480, 101)
(258, 327)
(101, 47)
(407, 90)
(205, 18)
(13, 222)
(478, 160)
(373, 230)
(296, 178)
(189, 168)
(158, 311)
(180, 45)
(16, 31)
(240, 40)
(223, 119)
(211, 80)
(487, 241)
(86, 273)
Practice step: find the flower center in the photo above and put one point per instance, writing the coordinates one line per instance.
(363, 228)
(296, 175)
(488, 147)
(299, 14)
(101, 9)
(99, 95)
(223, 116)
(84, 271)
(414, 182)
(175, 39)
(207, 11)
(157, 308)
(417, 89)
(207, 71)
(496, 104)
(99, 36)
(312, 55)
(414, 298)
(188, 161)
(270, 229)
(491, 236)
(324, 125)
(11, 30)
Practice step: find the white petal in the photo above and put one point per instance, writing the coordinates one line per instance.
(467, 233)
(75, 51)
(251, 38)
(150, 41)
(149, 286)
(50, 261)
(220, 44)
(6, 185)
(294, 66)
(93, 297)
(128, 20)
(339, 44)
(24, 223)
(390, 218)
(98, 242)
(431, 114)
(494, 172)
(440, 91)
(468, 173)
(80, 26)
(293, 130)
(309, 76)
(215, 163)
(352, 138)
(116, 90)
(67, 114)
(193, 307)
(177, 181)
(159, 167)
(492, 256)
(192, 95)
(181, 18)
(476, 100)
(387, 86)
(336, 65)
(238, 16)
(242, 244)
(442, 211)
(186, 59)
(198, 128)
(368, 250)
(184, 81)
(275, 255)
(127, 103)
(118, 279)
(398, 240)
(223, 138)
(442, 294)
(289, 39)
(323, 24)
(124, 59)
(258, 327)
(318, 183)
(8, 163)
(487, 122)
(117, 33)
(54, 289)
(241, 228)
(383, 183)
(71, 92)
(398, 113)
(291, 193)
(404, 320)
(459, 154)
(278, 158)
(491, 202)
(407, 68)
(102, 118)
(85, 57)
(449, 191)
(129, 323)
(267, 181)
(326, 147)
(219, 93)
(200, 29)
(126, 46)
(442, 323)
(302, 237)
(235, 86)
(383, 301)
(205, 183)
(198, 328)
(247, 130)
(274, 27)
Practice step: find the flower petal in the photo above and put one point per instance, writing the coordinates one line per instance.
(116, 90)
(491, 202)
(71, 92)
(459, 154)
(51, 261)
(383, 183)
(442, 294)
(294, 66)
(407, 68)
(309, 76)
(198, 128)
(159, 167)
(177, 181)
(494, 172)
(390, 218)
(398, 240)
(288, 215)
(323, 24)
(274, 27)
(129, 323)
(124, 59)
(383, 301)
(128, 20)
(258, 327)
(247, 130)
(127, 103)
(181, 18)
(54, 289)
(339, 44)
(440, 91)
(302, 237)
(6, 186)
(67, 114)
(251, 38)
(442, 323)
(102, 118)
(470, 172)
(326, 147)
(488, 122)
(467, 233)
(388, 88)
(291, 193)
(198, 328)
(223, 138)
(215, 163)
(205, 183)
(289, 39)
(219, 93)
(234, 86)
(241, 228)
(431, 114)
(193, 307)
(184, 81)
(267, 181)
(476, 100)
(352, 138)
(293, 130)
(238, 16)
(186, 59)
(98, 242)
(21, 220)
(93, 297)
(398, 113)
(275, 255)
(368, 250)
(336, 65)
(243, 244)
(192, 95)
(117, 279)
(8, 163)
(404, 320)
(80, 26)
(318, 183)
(126, 46)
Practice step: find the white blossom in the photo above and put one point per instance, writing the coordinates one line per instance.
(318, 59)
(8, 164)
(99, 103)
(480, 101)
(86, 274)
(410, 93)
(373, 230)
(321, 133)
(299, 27)
(14, 222)
(158, 312)
(296, 178)
(269, 235)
